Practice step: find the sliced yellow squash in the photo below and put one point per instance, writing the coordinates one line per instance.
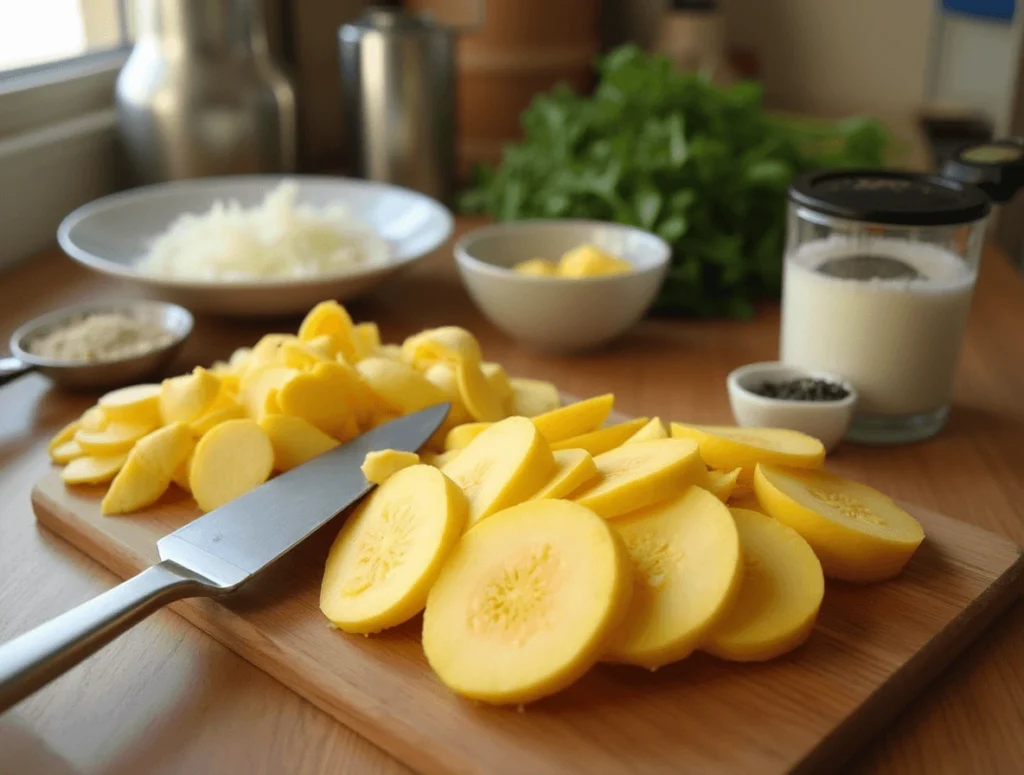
(573, 469)
(328, 318)
(294, 440)
(779, 596)
(726, 447)
(66, 452)
(381, 465)
(603, 439)
(858, 533)
(90, 469)
(64, 435)
(147, 472)
(390, 551)
(722, 483)
(260, 388)
(232, 459)
(686, 553)
(638, 475)
(184, 398)
(574, 419)
(327, 397)
(133, 404)
(461, 435)
(400, 386)
(115, 438)
(501, 467)
(531, 397)
(223, 409)
(653, 430)
(525, 603)
(536, 267)
(94, 419)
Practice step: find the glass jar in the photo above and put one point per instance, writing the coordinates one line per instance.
(879, 272)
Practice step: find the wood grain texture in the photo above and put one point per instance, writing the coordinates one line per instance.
(873, 649)
(166, 699)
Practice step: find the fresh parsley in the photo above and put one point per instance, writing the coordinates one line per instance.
(704, 167)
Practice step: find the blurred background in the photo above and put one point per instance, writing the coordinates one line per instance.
(936, 73)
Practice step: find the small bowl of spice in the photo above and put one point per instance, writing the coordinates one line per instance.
(99, 345)
(776, 395)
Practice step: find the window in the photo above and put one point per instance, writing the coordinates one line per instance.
(58, 130)
(40, 32)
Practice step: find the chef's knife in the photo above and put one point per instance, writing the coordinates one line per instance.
(211, 555)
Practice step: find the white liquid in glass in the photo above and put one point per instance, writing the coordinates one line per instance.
(896, 340)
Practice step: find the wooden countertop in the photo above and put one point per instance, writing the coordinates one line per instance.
(165, 698)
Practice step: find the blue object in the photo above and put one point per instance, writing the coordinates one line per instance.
(1002, 10)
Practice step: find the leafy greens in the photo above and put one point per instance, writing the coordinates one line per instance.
(704, 167)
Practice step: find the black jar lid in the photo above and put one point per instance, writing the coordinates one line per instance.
(890, 197)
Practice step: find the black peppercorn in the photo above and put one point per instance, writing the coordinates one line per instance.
(805, 389)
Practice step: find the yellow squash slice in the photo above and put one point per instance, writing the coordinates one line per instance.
(531, 397)
(116, 438)
(536, 267)
(686, 553)
(480, 398)
(93, 470)
(294, 440)
(328, 318)
(232, 459)
(133, 404)
(722, 483)
(224, 408)
(779, 596)
(399, 385)
(66, 452)
(525, 602)
(381, 465)
(501, 386)
(574, 419)
(260, 389)
(64, 435)
(147, 472)
(94, 419)
(390, 551)
(653, 430)
(461, 435)
(745, 500)
(440, 460)
(184, 398)
(327, 397)
(726, 447)
(641, 474)
(603, 439)
(858, 533)
(501, 467)
(573, 469)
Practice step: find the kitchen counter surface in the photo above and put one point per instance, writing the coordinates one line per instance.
(165, 698)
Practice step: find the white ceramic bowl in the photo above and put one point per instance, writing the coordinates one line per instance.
(111, 234)
(825, 420)
(559, 314)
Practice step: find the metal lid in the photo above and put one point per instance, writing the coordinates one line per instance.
(890, 197)
(390, 20)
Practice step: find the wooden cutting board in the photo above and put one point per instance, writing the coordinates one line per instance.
(872, 650)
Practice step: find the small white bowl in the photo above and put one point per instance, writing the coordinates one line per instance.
(825, 420)
(558, 314)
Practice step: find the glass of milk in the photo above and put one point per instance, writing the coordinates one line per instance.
(879, 271)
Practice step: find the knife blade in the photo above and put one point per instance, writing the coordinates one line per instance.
(231, 543)
(212, 555)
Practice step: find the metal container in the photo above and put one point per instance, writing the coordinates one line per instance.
(398, 85)
(200, 94)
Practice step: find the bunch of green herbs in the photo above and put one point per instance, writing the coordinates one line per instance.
(704, 167)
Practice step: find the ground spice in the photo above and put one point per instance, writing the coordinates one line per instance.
(805, 389)
(101, 336)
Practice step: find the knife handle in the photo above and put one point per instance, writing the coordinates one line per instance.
(33, 659)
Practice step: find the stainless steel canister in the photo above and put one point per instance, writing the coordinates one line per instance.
(398, 85)
(200, 94)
